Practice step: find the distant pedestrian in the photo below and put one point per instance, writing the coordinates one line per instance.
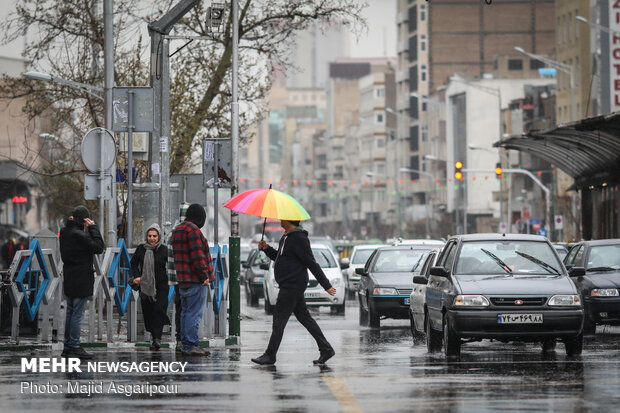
(172, 279)
(148, 266)
(77, 250)
(8, 252)
(194, 272)
(292, 260)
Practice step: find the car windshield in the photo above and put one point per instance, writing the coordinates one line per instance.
(261, 258)
(324, 258)
(604, 257)
(245, 253)
(507, 258)
(400, 260)
(361, 256)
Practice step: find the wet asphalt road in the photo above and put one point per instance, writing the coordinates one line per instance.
(373, 371)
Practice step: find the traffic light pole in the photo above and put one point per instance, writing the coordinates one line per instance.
(536, 181)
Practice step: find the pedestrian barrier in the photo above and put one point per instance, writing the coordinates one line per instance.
(34, 284)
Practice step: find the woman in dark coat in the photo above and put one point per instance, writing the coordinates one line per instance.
(148, 266)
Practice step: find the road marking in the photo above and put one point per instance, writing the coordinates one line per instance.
(339, 388)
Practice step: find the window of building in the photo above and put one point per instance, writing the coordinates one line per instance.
(380, 92)
(413, 107)
(570, 26)
(423, 12)
(578, 111)
(381, 142)
(414, 135)
(413, 48)
(424, 133)
(413, 19)
(423, 73)
(515, 64)
(576, 26)
(422, 42)
(414, 163)
(413, 79)
(558, 29)
(576, 70)
(379, 118)
(423, 105)
(323, 210)
(381, 169)
(536, 64)
(322, 161)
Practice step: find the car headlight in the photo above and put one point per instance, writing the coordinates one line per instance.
(384, 291)
(565, 300)
(336, 282)
(471, 301)
(604, 292)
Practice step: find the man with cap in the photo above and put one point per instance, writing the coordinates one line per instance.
(77, 250)
(194, 272)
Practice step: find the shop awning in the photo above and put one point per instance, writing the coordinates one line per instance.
(588, 150)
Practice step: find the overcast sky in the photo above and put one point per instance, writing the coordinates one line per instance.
(380, 40)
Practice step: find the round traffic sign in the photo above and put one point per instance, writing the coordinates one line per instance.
(98, 149)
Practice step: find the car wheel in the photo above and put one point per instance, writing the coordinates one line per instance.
(548, 345)
(338, 309)
(574, 345)
(433, 338)
(373, 318)
(417, 336)
(363, 314)
(589, 326)
(268, 306)
(451, 342)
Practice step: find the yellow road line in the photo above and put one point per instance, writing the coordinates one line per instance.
(339, 388)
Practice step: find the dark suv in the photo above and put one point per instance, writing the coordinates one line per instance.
(253, 275)
(508, 287)
(600, 286)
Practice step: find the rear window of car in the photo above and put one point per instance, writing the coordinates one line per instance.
(507, 257)
(399, 260)
(324, 258)
(361, 256)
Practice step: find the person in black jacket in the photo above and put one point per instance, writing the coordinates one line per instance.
(148, 266)
(77, 250)
(292, 260)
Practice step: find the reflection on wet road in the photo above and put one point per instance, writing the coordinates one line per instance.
(373, 370)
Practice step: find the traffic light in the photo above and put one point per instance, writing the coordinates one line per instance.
(458, 173)
(498, 170)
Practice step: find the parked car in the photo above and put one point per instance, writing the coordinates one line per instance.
(253, 276)
(600, 285)
(508, 287)
(246, 249)
(417, 299)
(359, 256)
(385, 283)
(315, 295)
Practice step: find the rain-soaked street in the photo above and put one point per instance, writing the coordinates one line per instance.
(373, 370)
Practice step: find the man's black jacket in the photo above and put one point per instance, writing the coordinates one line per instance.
(77, 250)
(292, 260)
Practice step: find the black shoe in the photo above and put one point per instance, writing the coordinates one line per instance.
(156, 345)
(81, 353)
(265, 360)
(325, 356)
(67, 352)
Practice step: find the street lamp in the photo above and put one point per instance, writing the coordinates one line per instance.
(44, 77)
(568, 69)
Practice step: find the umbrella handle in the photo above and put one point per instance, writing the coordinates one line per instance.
(264, 223)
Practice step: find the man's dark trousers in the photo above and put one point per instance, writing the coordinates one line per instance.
(293, 302)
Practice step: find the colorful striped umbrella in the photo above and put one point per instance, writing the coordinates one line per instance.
(268, 203)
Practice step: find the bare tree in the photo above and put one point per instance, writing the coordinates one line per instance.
(69, 45)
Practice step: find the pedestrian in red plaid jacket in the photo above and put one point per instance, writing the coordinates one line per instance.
(194, 272)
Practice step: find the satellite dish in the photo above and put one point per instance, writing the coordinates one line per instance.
(98, 149)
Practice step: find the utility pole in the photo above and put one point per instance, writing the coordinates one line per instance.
(108, 63)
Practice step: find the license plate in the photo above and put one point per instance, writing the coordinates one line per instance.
(406, 301)
(312, 295)
(519, 318)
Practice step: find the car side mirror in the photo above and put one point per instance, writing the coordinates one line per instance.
(344, 265)
(577, 272)
(360, 271)
(420, 279)
(439, 272)
(245, 264)
(264, 266)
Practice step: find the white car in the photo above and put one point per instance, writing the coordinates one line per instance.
(417, 299)
(315, 295)
(359, 256)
